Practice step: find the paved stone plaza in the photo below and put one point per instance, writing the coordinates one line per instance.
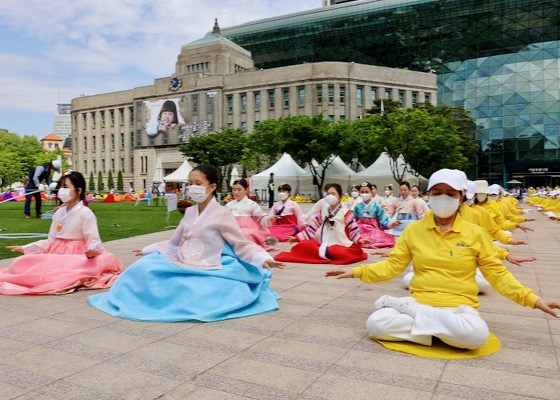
(315, 347)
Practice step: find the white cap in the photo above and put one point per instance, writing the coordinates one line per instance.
(494, 189)
(481, 186)
(452, 177)
(53, 185)
(56, 164)
(471, 189)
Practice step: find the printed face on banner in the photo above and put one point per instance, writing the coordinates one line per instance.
(162, 116)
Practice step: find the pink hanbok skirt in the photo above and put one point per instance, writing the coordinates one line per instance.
(254, 232)
(61, 268)
(283, 227)
(369, 228)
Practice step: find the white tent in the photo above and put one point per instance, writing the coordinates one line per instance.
(285, 170)
(379, 173)
(234, 176)
(337, 172)
(181, 174)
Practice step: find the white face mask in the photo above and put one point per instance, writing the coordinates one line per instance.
(331, 199)
(365, 196)
(469, 202)
(197, 193)
(64, 195)
(481, 197)
(354, 194)
(443, 205)
(283, 196)
(387, 193)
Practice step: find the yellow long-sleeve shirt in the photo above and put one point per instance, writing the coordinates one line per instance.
(488, 223)
(497, 215)
(445, 265)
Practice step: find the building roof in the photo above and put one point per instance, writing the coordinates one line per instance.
(53, 137)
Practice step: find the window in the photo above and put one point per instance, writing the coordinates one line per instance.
(230, 104)
(194, 99)
(271, 99)
(122, 164)
(112, 164)
(85, 168)
(244, 102)
(286, 96)
(230, 125)
(85, 120)
(103, 119)
(131, 110)
(414, 97)
(102, 142)
(121, 112)
(319, 94)
(427, 98)
(257, 101)
(301, 96)
(342, 94)
(50, 146)
(209, 104)
(387, 93)
(330, 118)
(112, 112)
(85, 144)
(131, 164)
(94, 143)
(94, 167)
(244, 127)
(112, 141)
(401, 97)
(373, 95)
(93, 120)
(122, 140)
(331, 94)
(342, 118)
(359, 96)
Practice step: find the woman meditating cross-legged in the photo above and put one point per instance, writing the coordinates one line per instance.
(208, 271)
(332, 236)
(71, 258)
(445, 250)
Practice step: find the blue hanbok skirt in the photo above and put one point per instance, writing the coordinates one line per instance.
(156, 290)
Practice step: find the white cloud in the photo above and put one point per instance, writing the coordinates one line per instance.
(82, 46)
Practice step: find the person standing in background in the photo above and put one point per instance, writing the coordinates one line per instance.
(33, 181)
(271, 190)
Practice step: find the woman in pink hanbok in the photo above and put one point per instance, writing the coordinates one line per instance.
(372, 220)
(286, 215)
(71, 258)
(252, 220)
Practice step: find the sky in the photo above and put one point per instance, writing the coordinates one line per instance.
(54, 51)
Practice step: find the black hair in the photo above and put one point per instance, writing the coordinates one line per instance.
(367, 184)
(405, 184)
(417, 187)
(77, 180)
(355, 187)
(170, 106)
(241, 182)
(374, 186)
(209, 172)
(335, 186)
(285, 187)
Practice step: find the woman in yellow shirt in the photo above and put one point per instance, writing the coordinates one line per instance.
(444, 296)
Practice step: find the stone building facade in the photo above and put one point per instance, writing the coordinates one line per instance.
(216, 86)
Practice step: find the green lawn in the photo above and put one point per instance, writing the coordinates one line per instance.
(115, 221)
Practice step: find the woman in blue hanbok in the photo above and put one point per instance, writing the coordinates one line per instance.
(208, 271)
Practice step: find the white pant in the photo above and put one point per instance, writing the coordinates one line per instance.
(483, 284)
(460, 327)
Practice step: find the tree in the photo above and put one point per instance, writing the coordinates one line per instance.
(427, 143)
(310, 140)
(358, 143)
(10, 168)
(264, 146)
(100, 185)
(110, 183)
(218, 149)
(120, 182)
(382, 106)
(91, 185)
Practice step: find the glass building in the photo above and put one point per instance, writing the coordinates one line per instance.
(497, 58)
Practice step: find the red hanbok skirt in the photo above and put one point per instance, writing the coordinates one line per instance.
(307, 252)
(369, 228)
(283, 227)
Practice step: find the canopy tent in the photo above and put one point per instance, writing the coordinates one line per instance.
(285, 170)
(337, 172)
(181, 174)
(234, 176)
(379, 173)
